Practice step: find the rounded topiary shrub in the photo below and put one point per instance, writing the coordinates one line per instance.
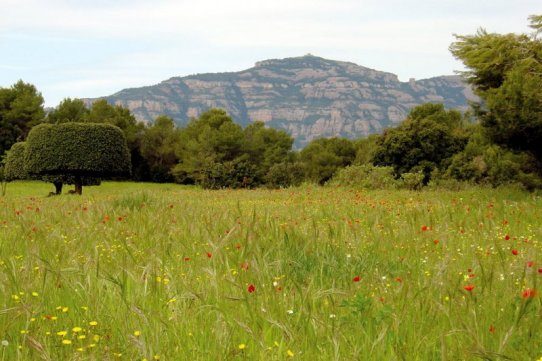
(14, 168)
(78, 150)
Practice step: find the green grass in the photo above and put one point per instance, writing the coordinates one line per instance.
(144, 271)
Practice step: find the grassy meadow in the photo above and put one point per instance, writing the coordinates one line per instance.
(164, 272)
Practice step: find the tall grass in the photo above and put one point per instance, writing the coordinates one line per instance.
(143, 271)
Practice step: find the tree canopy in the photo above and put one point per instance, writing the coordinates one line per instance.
(506, 72)
(77, 150)
(21, 108)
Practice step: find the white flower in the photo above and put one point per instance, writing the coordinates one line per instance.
(332, 315)
(290, 312)
(5, 343)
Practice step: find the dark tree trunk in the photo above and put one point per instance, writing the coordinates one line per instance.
(78, 185)
(58, 187)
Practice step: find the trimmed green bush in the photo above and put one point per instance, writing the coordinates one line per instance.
(14, 168)
(78, 150)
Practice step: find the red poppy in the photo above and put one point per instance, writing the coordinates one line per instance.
(436, 241)
(530, 263)
(515, 252)
(491, 329)
(119, 219)
(540, 270)
(356, 279)
(209, 254)
(424, 228)
(251, 288)
(469, 287)
(187, 258)
(507, 237)
(529, 293)
(245, 266)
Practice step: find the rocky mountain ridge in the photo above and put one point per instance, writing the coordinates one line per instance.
(307, 96)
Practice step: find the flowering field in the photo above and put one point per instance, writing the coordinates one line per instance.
(163, 272)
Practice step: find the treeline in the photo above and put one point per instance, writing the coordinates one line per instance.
(496, 143)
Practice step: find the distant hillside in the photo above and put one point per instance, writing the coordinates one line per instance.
(307, 96)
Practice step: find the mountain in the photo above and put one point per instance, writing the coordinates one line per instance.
(307, 96)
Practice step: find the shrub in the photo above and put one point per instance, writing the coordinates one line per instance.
(365, 176)
(78, 150)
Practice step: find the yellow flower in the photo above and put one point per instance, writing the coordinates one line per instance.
(242, 346)
(137, 333)
(156, 357)
(290, 353)
(62, 333)
(35, 294)
(67, 342)
(77, 329)
(93, 323)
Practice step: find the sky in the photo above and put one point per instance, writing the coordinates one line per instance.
(83, 48)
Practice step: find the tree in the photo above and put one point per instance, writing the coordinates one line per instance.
(266, 148)
(506, 72)
(21, 107)
(424, 141)
(69, 110)
(77, 150)
(103, 112)
(158, 144)
(323, 157)
(210, 152)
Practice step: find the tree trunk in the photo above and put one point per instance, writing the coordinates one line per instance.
(58, 187)
(78, 186)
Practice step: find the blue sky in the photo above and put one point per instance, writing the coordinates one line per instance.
(83, 48)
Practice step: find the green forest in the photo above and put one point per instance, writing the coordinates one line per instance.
(496, 143)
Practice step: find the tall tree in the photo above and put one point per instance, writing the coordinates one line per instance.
(158, 144)
(21, 108)
(210, 151)
(506, 72)
(69, 110)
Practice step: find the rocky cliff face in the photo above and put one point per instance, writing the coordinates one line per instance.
(308, 96)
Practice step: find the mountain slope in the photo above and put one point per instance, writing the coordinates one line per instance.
(307, 96)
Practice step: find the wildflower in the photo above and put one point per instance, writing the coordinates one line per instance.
(209, 254)
(66, 342)
(469, 287)
(77, 329)
(137, 333)
(515, 252)
(356, 279)
(93, 323)
(290, 353)
(35, 294)
(529, 293)
(242, 346)
(540, 270)
(424, 228)
(436, 241)
(507, 237)
(5, 343)
(245, 266)
(491, 329)
(530, 264)
(251, 288)
(62, 333)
